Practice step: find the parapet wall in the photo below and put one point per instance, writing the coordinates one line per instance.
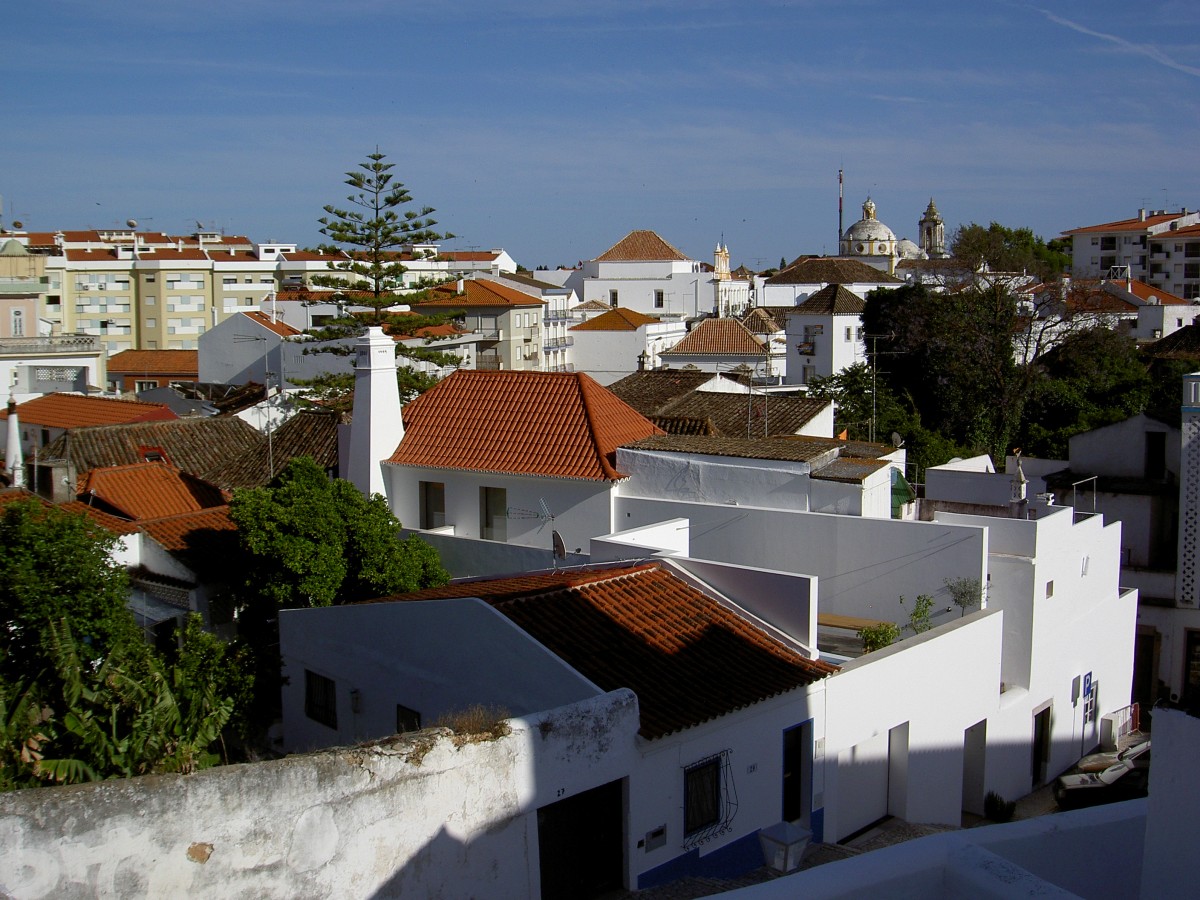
(416, 816)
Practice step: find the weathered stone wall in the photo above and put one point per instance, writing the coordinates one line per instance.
(391, 819)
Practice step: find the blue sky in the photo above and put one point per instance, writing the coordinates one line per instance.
(553, 128)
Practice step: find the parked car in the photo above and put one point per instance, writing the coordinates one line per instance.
(1138, 755)
(1120, 781)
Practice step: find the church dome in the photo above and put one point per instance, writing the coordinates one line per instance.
(868, 236)
(906, 249)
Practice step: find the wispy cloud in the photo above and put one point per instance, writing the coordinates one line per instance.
(1147, 50)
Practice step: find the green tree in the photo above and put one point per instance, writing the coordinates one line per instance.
(57, 566)
(1092, 379)
(309, 540)
(878, 636)
(1008, 250)
(371, 230)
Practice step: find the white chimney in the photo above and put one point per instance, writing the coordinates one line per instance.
(14, 462)
(377, 428)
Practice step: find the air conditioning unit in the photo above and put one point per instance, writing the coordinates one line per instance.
(85, 287)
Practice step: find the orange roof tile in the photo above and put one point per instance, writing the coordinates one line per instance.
(618, 319)
(560, 425)
(1134, 224)
(108, 522)
(159, 362)
(149, 490)
(178, 533)
(688, 658)
(475, 293)
(1144, 291)
(78, 411)
(641, 246)
(719, 337)
(281, 328)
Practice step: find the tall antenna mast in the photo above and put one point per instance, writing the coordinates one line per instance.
(839, 234)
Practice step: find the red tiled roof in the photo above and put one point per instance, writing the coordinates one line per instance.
(475, 293)
(640, 246)
(1134, 224)
(1144, 291)
(109, 523)
(590, 305)
(310, 256)
(78, 411)
(559, 425)
(831, 270)
(467, 255)
(176, 533)
(688, 658)
(1189, 231)
(719, 337)
(149, 490)
(158, 362)
(619, 319)
(832, 300)
(279, 327)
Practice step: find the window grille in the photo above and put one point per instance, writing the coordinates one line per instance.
(709, 799)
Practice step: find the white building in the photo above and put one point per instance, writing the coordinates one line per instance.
(622, 341)
(809, 274)
(1147, 244)
(825, 334)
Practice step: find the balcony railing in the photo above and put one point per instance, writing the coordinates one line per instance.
(488, 364)
(66, 343)
(558, 343)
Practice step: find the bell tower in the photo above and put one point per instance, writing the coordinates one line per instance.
(933, 232)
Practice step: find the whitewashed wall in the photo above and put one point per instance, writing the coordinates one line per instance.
(580, 508)
(863, 565)
(422, 655)
(412, 818)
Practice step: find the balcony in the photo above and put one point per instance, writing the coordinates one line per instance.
(807, 348)
(66, 343)
(557, 344)
(556, 316)
(488, 364)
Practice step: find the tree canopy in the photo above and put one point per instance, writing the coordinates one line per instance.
(313, 541)
(1009, 250)
(370, 230)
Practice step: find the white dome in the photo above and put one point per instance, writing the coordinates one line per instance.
(868, 228)
(906, 249)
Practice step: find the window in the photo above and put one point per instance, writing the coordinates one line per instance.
(1191, 270)
(152, 323)
(1095, 241)
(433, 504)
(150, 279)
(1192, 251)
(320, 699)
(849, 334)
(702, 808)
(407, 719)
(18, 323)
(612, 298)
(660, 299)
(1049, 589)
(1108, 243)
(493, 514)
(151, 300)
(229, 279)
(145, 385)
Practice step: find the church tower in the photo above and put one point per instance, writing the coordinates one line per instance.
(933, 232)
(377, 428)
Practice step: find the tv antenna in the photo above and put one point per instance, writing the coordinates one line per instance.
(542, 514)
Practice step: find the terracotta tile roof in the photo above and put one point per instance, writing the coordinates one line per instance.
(187, 254)
(108, 522)
(1183, 343)
(618, 319)
(687, 426)
(761, 321)
(105, 520)
(641, 246)
(467, 255)
(475, 293)
(78, 411)
(1134, 224)
(831, 270)
(1189, 231)
(560, 425)
(719, 337)
(849, 470)
(745, 415)
(173, 532)
(1149, 293)
(688, 658)
(815, 451)
(148, 490)
(279, 327)
(591, 306)
(832, 300)
(309, 256)
(651, 392)
(184, 363)
(310, 432)
(205, 447)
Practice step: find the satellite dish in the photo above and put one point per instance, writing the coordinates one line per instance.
(132, 223)
(17, 223)
(897, 441)
(560, 548)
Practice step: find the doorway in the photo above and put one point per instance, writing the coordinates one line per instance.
(580, 844)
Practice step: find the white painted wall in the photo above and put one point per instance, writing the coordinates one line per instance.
(420, 817)
(580, 508)
(1171, 809)
(422, 655)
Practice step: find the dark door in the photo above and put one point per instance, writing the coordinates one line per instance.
(797, 753)
(580, 844)
(1040, 751)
